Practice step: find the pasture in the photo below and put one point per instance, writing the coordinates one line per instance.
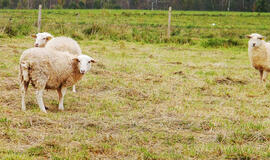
(194, 96)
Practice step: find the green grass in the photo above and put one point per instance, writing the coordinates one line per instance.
(188, 27)
(143, 100)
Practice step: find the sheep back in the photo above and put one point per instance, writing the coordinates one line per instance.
(51, 68)
(64, 44)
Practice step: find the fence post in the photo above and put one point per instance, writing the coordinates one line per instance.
(169, 22)
(39, 17)
(77, 18)
(229, 5)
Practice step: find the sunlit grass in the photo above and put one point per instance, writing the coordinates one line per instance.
(142, 100)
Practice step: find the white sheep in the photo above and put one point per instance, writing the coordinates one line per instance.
(259, 54)
(64, 44)
(42, 39)
(50, 69)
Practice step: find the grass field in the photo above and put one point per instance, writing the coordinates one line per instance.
(191, 28)
(194, 97)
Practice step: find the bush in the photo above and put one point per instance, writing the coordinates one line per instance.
(233, 42)
(93, 29)
(185, 41)
(215, 42)
(212, 43)
(10, 30)
(77, 36)
(24, 29)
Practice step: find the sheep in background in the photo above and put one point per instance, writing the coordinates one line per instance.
(50, 69)
(259, 54)
(64, 44)
(42, 39)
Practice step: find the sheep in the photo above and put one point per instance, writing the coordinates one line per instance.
(42, 39)
(50, 69)
(59, 43)
(259, 54)
(64, 44)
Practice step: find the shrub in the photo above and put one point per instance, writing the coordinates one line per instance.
(10, 30)
(77, 36)
(93, 29)
(212, 43)
(215, 42)
(185, 41)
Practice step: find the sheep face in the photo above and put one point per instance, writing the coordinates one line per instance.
(84, 63)
(255, 40)
(42, 39)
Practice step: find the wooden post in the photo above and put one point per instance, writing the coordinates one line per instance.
(39, 17)
(169, 22)
(229, 5)
(77, 18)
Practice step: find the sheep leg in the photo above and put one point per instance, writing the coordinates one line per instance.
(23, 90)
(74, 88)
(39, 97)
(61, 93)
(261, 74)
(264, 76)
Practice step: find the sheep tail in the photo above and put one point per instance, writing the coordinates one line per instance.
(24, 75)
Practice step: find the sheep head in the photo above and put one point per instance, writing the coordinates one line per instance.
(42, 39)
(255, 40)
(83, 63)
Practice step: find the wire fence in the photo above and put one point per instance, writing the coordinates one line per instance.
(137, 25)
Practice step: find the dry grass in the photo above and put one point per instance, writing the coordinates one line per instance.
(140, 102)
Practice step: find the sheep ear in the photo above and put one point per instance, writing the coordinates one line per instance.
(93, 61)
(261, 38)
(75, 59)
(48, 38)
(249, 36)
(34, 36)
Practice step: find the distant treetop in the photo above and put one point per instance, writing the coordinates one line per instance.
(207, 5)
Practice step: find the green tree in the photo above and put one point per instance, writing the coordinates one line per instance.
(4, 3)
(81, 5)
(19, 5)
(73, 5)
(261, 6)
(97, 4)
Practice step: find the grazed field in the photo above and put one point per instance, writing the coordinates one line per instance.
(140, 101)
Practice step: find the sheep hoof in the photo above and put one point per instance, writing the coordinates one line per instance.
(46, 108)
(44, 111)
(23, 109)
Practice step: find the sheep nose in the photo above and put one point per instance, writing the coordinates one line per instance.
(254, 44)
(82, 71)
(36, 45)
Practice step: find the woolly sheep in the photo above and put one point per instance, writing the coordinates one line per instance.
(42, 39)
(50, 69)
(259, 54)
(64, 44)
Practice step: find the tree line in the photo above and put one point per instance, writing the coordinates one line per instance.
(207, 5)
